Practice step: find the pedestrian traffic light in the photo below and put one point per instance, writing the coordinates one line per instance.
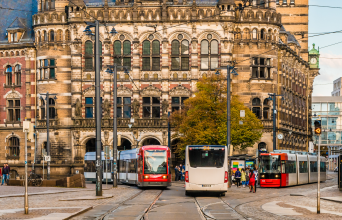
(318, 129)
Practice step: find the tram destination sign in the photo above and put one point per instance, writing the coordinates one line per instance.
(206, 148)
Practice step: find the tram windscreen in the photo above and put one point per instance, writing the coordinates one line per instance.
(270, 164)
(206, 156)
(155, 162)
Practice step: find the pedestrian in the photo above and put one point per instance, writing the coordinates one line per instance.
(256, 174)
(9, 170)
(176, 173)
(247, 176)
(238, 177)
(243, 178)
(182, 172)
(4, 174)
(251, 182)
(179, 174)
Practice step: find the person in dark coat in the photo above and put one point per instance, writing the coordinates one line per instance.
(5, 173)
(176, 173)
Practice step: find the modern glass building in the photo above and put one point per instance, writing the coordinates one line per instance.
(329, 110)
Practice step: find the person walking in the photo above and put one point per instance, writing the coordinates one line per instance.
(4, 174)
(176, 173)
(243, 178)
(251, 182)
(182, 172)
(247, 176)
(256, 174)
(238, 177)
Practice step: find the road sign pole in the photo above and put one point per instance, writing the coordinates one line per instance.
(319, 176)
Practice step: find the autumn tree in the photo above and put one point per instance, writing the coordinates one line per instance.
(203, 119)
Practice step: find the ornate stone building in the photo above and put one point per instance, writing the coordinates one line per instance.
(167, 46)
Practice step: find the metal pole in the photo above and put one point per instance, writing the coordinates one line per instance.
(43, 168)
(115, 131)
(98, 113)
(26, 194)
(319, 176)
(274, 121)
(106, 170)
(169, 131)
(48, 134)
(228, 125)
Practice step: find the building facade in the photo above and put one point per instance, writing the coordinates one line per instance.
(336, 87)
(329, 110)
(167, 46)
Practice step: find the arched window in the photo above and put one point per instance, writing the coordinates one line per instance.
(67, 35)
(262, 147)
(8, 75)
(151, 55)
(52, 36)
(88, 55)
(52, 109)
(14, 147)
(180, 55)
(246, 34)
(17, 74)
(175, 76)
(262, 34)
(39, 37)
(209, 54)
(122, 54)
(13, 110)
(59, 36)
(237, 34)
(255, 34)
(146, 76)
(45, 36)
(185, 77)
(256, 107)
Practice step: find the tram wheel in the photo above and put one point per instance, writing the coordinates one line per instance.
(187, 193)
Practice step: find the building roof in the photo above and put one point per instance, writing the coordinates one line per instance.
(17, 14)
(326, 98)
(313, 50)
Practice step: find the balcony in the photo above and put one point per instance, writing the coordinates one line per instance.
(121, 123)
(267, 123)
(42, 123)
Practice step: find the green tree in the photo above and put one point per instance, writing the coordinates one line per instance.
(203, 119)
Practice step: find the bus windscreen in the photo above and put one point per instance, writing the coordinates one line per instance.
(155, 162)
(206, 156)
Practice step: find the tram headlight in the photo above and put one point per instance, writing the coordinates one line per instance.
(146, 177)
(276, 176)
(262, 176)
(165, 177)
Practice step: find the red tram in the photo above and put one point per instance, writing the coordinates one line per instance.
(288, 169)
(145, 166)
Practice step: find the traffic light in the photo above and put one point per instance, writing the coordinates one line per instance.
(318, 128)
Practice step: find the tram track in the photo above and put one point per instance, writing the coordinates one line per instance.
(145, 215)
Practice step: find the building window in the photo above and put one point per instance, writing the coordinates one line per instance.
(256, 107)
(13, 110)
(89, 107)
(47, 69)
(151, 107)
(13, 145)
(46, 5)
(122, 53)
(180, 55)
(254, 34)
(151, 55)
(262, 147)
(261, 67)
(177, 103)
(67, 35)
(209, 54)
(246, 34)
(52, 109)
(52, 36)
(266, 109)
(277, 2)
(124, 107)
(52, 4)
(45, 36)
(89, 55)
(292, 2)
(42, 109)
(8, 75)
(18, 75)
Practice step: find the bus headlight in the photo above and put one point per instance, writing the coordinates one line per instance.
(276, 176)
(262, 176)
(146, 177)
(165, 177)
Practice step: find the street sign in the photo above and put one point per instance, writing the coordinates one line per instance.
(240, 122)
(47, 158)
(242, 113)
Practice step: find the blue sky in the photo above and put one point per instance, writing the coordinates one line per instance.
(326, 20)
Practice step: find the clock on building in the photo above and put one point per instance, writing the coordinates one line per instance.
(314, 57)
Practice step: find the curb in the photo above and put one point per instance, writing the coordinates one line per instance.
(79, 212)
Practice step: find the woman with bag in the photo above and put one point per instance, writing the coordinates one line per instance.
(243, 177)
(251, 182)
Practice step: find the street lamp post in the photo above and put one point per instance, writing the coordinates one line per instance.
(229, 69)
(47, 110)
(273, 97)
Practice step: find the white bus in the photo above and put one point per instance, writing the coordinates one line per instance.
(206, 169)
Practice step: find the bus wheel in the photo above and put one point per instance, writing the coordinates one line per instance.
(223, 194)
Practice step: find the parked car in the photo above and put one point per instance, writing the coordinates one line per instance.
(336, 169)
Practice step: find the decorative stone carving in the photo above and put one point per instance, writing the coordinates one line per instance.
(136, 107)
(78, 108)
(151, 91)
(165, 106)
(106, 136)
(106, 108)
(180, 91)
(76, 136)
(124, 91)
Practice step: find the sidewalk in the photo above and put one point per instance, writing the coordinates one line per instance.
(56, 202)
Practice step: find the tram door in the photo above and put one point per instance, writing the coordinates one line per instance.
(126, 169)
